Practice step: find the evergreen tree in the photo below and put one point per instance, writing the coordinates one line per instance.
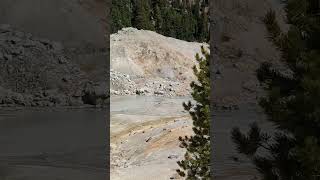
(178, 19)
(188, 26)
(121, 13)
(292, 102)
(158, 19)
(176, 4)
(161, 3)
(169, 22)
(197, 17)
(142, 15)
(196, 164)
(203, 30)
(184, 4)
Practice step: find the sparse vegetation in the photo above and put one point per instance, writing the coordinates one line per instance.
(196, 164)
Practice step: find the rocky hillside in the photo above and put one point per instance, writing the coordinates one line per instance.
(53, 53)
(144, 62)
(40, 72)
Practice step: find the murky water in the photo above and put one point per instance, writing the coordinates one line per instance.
(37, 144)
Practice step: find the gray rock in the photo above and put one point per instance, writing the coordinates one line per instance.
(58, 99)
(75, 101)
(139, 92)
(148, 139)
(17, 98)
(62, 60)
(173, 156)
(159, 93)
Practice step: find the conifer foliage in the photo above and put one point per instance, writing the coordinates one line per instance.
(196, 163)
(121, 14)
(292, 102)
(142, 15)
(182, 19)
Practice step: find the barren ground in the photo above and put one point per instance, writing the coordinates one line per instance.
(144, 137)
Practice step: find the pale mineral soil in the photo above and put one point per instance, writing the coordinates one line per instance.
(145, 62)
(144, 136)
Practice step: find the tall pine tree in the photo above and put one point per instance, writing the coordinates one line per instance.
(158, 19)
(292, 102)
(142, 15)
(196, 164)
(203, 29)
(121, 13)
(179, 19)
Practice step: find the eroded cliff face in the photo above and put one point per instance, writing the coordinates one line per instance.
(144, 62)
(239, 45)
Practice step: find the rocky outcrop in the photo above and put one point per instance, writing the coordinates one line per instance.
(39, 72)
(146, 63)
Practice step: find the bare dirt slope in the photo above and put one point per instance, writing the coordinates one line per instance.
(151, 63)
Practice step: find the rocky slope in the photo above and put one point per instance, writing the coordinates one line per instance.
(53, 53)
(40, 72)
(147, 63)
